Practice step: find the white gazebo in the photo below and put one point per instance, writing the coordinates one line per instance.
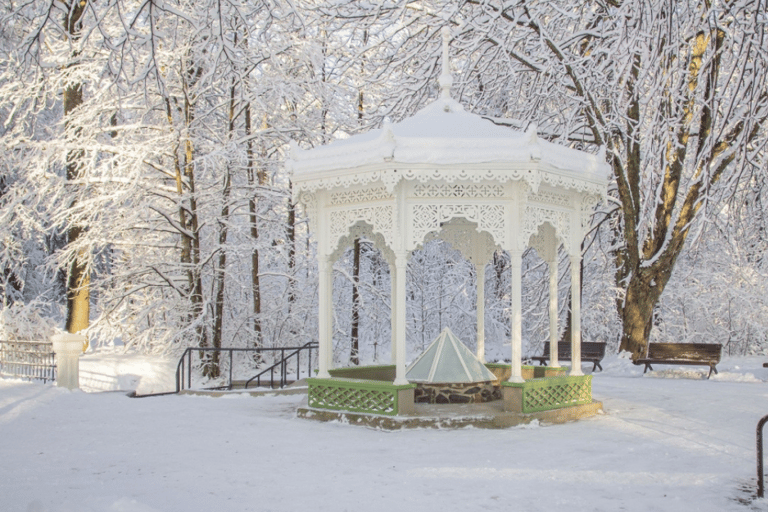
(454, 175)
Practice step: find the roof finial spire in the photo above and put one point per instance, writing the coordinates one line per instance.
(446, 80)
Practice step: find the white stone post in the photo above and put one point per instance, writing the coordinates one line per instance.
(68, 348)
(553, 355)
(401, 262)
(576, 315)
(393, 312)
(325, 345)
(516, 260)
(480, 272)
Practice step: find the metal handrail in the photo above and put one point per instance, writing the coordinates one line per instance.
(760, 483)
(184, 366)
(283, 365)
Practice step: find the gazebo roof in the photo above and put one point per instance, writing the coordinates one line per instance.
(445, 136)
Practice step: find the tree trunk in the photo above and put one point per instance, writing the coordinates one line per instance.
(255, 179)
(354, 350)
(184, 176)
(78, 280)
(354, 353)
(220, 272)
(291, 237)
(637, 311)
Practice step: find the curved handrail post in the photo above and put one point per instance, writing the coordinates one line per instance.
(760, 478)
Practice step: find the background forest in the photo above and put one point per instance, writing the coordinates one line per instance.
(144, 197)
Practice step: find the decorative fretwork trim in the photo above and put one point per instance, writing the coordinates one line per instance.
(588, 203)
(363, 231)
(464, 237)
(545, 242)
(360, 195)
(458, 190)
(380, 217)
(392, 176)
(535, 216)
(549, 197)
(428, 218)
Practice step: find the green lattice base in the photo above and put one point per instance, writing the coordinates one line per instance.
(355, 395)
(553, 393)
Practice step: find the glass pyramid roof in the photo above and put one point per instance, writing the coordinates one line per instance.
(448, 360)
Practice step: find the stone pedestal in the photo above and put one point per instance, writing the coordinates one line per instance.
(405, 401)
(68, 348)
(513, 399)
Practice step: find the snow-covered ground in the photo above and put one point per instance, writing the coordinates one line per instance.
(671, 441)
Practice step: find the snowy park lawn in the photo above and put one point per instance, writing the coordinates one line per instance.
(668, 441)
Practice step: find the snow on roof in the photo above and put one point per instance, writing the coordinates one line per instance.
(448, 360)
(443, 134)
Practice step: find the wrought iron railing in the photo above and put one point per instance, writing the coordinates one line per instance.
(33, 360)
(220, 362)
(282, 366)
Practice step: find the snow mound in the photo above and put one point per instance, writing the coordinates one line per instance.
(129, 505)
(111, 370)
(736, 377)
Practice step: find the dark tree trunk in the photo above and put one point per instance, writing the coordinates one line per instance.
(354, 353)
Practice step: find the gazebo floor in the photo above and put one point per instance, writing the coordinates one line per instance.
(477, 415)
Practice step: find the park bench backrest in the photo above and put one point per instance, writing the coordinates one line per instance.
(705, 352)
(588, 349)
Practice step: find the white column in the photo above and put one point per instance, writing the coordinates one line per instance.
(325, 320)
(393, 312)
(576, 315)
(480, 272)
(517, 317)
(400, 265)
(68, 348)
(553, 355)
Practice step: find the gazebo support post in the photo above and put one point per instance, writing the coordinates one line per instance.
(401, 262)
(576, 315)
(392, 312)
(326, 316)
(516, 264)
(480, 272)
(553, 361)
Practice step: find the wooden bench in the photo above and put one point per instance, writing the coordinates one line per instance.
(591, 352)
(693, 354)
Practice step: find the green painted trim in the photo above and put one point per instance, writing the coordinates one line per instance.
(373, 372)
(355, 395)
(372, 367)
(526, 366)
(361, 383)
(503, 371)
(542, 382)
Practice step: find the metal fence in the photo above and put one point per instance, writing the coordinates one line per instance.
(34, 360)
(227, 364)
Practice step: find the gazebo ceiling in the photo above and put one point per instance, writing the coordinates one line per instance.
(443, 141)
